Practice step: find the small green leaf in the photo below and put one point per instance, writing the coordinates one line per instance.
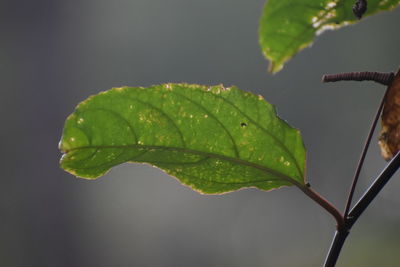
(213, 139)
(288, 26)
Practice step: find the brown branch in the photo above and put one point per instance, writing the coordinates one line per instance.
(379, 77)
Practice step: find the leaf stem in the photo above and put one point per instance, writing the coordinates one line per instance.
(329, 207)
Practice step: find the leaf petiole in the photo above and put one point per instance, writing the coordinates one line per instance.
(324, 203)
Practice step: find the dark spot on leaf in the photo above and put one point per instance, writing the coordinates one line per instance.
(243, 124)
(359, 8)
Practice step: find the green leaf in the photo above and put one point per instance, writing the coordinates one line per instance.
(288, 26)
(213, 139)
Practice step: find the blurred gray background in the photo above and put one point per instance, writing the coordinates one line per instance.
(54, 54)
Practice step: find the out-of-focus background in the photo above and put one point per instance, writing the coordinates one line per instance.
(54, 54)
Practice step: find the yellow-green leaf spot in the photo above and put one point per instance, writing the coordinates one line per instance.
(288, 26)
(213, 139)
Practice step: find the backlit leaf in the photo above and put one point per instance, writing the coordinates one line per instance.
(213, 139)
(288, 26)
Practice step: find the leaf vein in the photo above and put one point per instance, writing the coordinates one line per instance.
(235, 147)
(166, 116)
(267, 132)
(202, 153)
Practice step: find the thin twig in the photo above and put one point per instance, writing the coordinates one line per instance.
(373, 190)
(350, 217)
(363, 154)
(359, 208)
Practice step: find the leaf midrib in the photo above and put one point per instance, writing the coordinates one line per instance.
(195, 152)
